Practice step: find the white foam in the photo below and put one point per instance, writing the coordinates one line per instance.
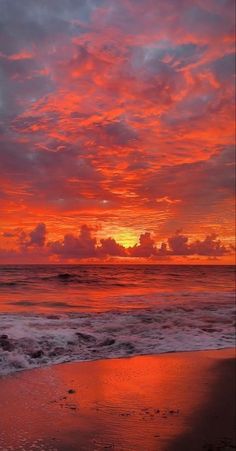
(34, 340)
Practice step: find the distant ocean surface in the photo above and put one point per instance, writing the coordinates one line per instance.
(59, 313)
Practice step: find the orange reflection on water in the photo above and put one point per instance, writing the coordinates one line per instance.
(140, 403)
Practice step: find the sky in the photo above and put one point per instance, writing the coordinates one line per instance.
(117, 131)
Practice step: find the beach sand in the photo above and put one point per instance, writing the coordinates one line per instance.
(180, 401)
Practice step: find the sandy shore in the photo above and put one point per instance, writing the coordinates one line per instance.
(171, 402)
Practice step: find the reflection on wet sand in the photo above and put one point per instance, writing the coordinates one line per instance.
(144, 403)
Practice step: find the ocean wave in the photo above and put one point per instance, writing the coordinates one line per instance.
(10, 283)
(36, 278)
(75, 279)
(35, 340)
(64, 278)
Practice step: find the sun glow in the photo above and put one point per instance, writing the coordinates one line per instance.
(126, 238)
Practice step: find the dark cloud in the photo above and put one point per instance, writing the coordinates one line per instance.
(86, 246)
(211, 246)
(200, 185)
(38, 236)
(81, 246)
(120, 133)
(224, 68)
(207, 23)
(109, 246)
(51, 177)
(145, 248)
(178, 245)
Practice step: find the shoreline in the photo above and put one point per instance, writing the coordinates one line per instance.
(173, 401)
(51, 365)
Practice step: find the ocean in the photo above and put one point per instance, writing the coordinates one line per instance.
(59, 313)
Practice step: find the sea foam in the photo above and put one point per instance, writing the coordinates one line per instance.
(35, 340)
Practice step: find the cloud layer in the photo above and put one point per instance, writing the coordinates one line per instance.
(85, 246)
(118, 115)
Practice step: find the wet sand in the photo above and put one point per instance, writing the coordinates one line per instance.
(171, 402)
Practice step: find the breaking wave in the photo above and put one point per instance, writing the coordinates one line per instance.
(35, 340)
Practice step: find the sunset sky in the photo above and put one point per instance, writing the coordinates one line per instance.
(117, 131)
